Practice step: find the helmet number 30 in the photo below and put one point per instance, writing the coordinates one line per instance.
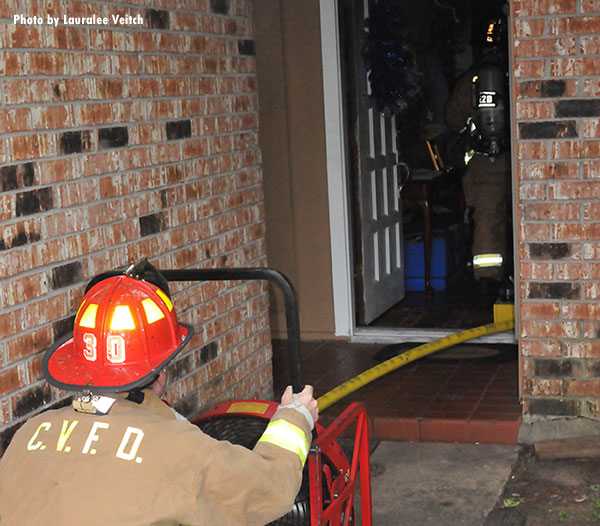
(115, 348)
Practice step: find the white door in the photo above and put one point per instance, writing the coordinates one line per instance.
(379, 270)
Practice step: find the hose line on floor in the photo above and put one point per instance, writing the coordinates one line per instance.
(398, 361)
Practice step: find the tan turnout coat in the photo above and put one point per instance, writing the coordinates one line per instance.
(140, 466)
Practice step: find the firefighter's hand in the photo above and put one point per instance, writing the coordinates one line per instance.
(305, 397)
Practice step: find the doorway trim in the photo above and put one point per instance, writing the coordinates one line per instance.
(339, 209)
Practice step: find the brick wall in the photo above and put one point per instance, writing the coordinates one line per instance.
(557, 83)
(118, 140)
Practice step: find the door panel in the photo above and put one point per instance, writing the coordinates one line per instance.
(379, 270)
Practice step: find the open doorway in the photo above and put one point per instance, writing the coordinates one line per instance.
(413, 216)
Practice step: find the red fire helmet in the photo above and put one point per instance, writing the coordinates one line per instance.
(126, 331)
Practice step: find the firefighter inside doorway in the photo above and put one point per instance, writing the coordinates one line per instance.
(118, 454)
(478, 106)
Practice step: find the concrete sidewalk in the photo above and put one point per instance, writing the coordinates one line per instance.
(433, 484)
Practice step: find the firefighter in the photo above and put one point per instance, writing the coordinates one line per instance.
(118, 455)
(477, 105)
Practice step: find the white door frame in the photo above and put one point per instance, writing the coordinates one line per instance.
(339, 206)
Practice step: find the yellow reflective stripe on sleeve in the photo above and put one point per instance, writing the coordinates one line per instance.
(487, 260)
(286, 436)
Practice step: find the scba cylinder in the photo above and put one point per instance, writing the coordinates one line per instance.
(489, 94)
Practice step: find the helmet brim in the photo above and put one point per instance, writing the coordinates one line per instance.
(62, 371)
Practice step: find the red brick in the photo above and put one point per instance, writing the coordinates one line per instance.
(110, 88)
(549, 329)
(577, 271)
(544, 311)
(569, 190)
(52, 117)
(591, 211)
(26, 147)
(11, 323)
(59, 222)
(545, 47)
(542, 387)
(19, 91)
(11, 380)
(537, 271)
(9, 8)
(590, 128)
(90, 64)
(575, 149)
(15, 120)
(541, 349)
(575, 25)
(591, 250)
(47, 63)
(72, 89)
(29, 344)
(57, 170)
(21, 36)
(23, 289)
(94, 114)
(591, 87)
(532, 150)
(583, 388)
(535, 232)
(543, 7)
(184, 21)
(100, 163)
(581, 311)
(570, 67)
(144, 87)
(575, 231)
(582, 349)
(550, 211)
(66, 37)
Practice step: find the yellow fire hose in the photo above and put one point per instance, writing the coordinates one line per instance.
(396, 362)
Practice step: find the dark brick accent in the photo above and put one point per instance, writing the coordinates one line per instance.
(7, 435)
(549, 250)
(157, 19)
(27, 174)
(62, 327)
(578, 108)
(164, 201)
(34, 201)
(66, 275)
(31, 400)
(17, 176)
(559, 291)
(208, 352)
(547, 368)
(189, 405)
(152, 223)
(219, 7)
(246, 47)
(9, 178)
(71, 142)
(181, 368)
(179, 129)
(208, 254)
(547, 129)
(22, 238)
(594, 368)
(554, 407)
(113, 137)
(552, 88)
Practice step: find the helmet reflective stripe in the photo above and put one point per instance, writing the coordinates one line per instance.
(487, 260)
(286, 436)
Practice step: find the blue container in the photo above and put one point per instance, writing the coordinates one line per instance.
(414, 262)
